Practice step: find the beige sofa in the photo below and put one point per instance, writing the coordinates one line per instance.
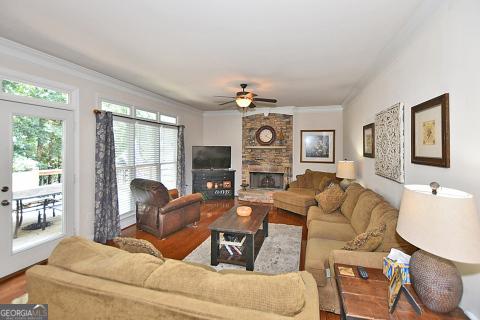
(86, 280)
(301, 193)
(362, 210)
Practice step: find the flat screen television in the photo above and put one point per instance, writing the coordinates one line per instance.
(211, 157)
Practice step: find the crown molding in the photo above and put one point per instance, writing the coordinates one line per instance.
(34, 56)
(390, 52)
(284, 110)
(334, 108)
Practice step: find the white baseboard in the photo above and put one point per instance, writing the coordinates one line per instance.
(470, 315)
(127, 220)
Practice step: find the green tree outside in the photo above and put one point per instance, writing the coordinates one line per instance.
(37, 142)
(27, 90)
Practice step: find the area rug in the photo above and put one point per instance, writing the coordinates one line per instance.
(21, 300)
(280, 252)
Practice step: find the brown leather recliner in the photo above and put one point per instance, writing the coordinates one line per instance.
(158, 213)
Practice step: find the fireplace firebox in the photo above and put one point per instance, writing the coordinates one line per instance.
(266, 180)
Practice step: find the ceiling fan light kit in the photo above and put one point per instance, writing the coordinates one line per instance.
(243, 102)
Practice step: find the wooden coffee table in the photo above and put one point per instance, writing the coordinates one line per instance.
(368, 299)
(253, 227)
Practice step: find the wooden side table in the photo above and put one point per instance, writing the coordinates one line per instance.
(368, 299)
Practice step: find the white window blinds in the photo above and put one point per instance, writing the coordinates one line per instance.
(143, 150)
(168, 156)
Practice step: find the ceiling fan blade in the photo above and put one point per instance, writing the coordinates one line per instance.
(224, 97)
(251, 106)
(221, 104)
(265, 100)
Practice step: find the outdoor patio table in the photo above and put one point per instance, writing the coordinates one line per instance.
(46, 192)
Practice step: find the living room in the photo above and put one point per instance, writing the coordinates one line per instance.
(175, 79)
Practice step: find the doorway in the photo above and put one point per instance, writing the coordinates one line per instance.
(36, 182)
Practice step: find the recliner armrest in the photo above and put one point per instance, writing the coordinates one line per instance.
(181, 202)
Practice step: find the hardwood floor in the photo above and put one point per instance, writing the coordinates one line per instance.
(181, 243)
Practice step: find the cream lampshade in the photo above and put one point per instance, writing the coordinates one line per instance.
(444, 224)
(346, 170)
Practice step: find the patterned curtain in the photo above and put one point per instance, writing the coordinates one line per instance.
(182, 189)
(107, 218)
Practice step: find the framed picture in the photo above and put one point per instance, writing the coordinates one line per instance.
(431, 132)
(317, 146)
(394, 289)
(369, 140)
(389, 143)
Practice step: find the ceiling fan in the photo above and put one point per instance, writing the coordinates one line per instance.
(246, 99)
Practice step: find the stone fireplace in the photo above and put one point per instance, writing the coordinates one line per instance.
(266, 168)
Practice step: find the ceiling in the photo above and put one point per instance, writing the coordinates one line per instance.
(303, 52)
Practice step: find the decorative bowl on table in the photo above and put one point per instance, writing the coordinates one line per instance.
(244, 211)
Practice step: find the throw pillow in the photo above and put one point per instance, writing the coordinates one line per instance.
(302, 181)
(324, 183)
(367, 241)
(308, 179)
(137, 246)
(331, 198)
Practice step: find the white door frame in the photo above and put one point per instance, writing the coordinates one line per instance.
(25, 257)
(72, 106)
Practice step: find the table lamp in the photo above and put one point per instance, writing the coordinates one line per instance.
(346, 170)
(445, 225)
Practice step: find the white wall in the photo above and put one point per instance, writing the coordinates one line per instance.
(16, 59)
(442, 55)
(225, 128)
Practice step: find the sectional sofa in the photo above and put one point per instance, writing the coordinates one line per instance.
(301, 193)
(87, 280)
(362, 210)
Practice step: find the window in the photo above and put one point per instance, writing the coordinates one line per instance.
(146, 115)
(116, 108)
(28, 90)
(168, 119)
(142, 150)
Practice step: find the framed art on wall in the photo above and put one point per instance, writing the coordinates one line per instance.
(317, 146)
(431, 132)
(369, 140)
(389, 143)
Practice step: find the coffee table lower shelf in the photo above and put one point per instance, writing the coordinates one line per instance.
(254, 228)
(251, 247)
(241, 260)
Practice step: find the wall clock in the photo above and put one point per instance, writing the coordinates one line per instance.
(265, 135)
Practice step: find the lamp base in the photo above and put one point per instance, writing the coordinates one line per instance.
(345, 183)
(436, 281)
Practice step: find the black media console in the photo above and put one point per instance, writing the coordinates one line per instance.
(214, 184)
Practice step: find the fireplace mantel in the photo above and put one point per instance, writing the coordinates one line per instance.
(267, 169)
(266, 147)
